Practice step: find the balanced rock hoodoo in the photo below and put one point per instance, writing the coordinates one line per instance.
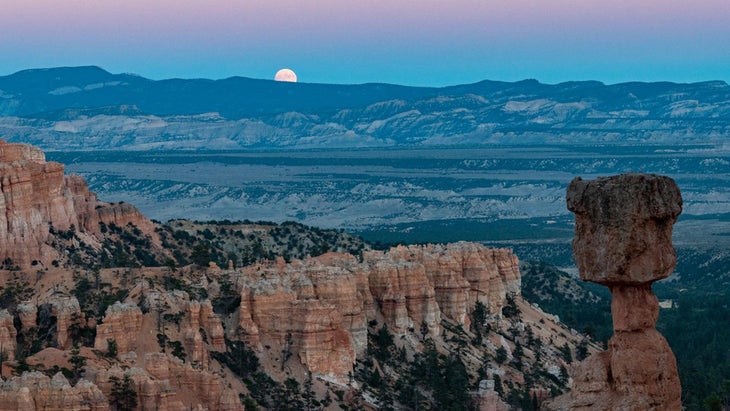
(623, 240)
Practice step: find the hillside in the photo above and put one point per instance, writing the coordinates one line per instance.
(581, 305)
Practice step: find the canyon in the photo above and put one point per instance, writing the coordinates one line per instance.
(330, 331)
(175, 332)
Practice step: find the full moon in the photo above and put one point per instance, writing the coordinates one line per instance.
(286, 74)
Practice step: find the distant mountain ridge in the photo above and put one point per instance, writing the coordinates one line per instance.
(42, 90)
(88, 107)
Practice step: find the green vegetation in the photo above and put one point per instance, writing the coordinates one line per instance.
(121, 247)
(479, 325)
(698, 333)
(123, 396)
(435, 381)
(580, 305)
(228, 299)
(264, 391)
(244, 242)
(177, 349)
(239, 358)
(15, 291)
(444, 231)
(77, 362)
(111, 348)
(95, 295)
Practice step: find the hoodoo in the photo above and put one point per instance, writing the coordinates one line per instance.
(623, 240)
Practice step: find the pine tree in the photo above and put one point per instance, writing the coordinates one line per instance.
(123, 396)
(77, 364)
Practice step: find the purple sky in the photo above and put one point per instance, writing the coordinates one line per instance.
(416, 42)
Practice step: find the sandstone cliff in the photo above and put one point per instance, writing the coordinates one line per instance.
(36, 391)
(319, 308)
(8, 333)
(314, 318)
(202, 317)
(165, 383)
(121, 326)
(161, 383)
(37, 201)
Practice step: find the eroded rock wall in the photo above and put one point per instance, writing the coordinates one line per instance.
(35, 391)
(36, 199)
(8, 335)
(122, 324)
(319, 308)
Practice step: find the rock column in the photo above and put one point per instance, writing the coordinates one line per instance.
(623, 240)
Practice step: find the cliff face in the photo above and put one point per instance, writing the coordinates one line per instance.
(319, 308)
(164, 383)
(623, 239)
(36, 391)
(36, 199)
(463, 273)
(201, 316)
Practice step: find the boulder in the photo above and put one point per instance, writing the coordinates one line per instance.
(623, 227)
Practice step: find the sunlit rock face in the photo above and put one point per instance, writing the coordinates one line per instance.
(623, 239)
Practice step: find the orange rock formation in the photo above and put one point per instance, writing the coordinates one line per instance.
(122, 324)
(315, 312)
(319, 308)
(7, 335)
(35, 196)
(164, 383)
(623, 239)
(36, 391)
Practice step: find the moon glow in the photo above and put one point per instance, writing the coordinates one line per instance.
(287, 75)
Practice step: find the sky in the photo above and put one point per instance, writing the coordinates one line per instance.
(411, 42)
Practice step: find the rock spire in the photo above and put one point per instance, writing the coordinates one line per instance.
(623, 240)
